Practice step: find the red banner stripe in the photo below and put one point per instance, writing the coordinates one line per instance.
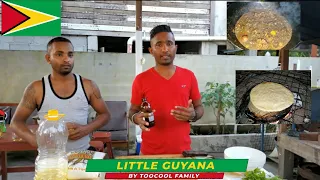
(164, 176)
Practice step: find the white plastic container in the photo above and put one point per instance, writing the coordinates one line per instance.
(52, 137)
(257, 159)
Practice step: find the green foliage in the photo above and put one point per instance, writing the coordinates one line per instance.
(292, 53)
(299, 54)
(240, 53)
(258, 174)
(221, 98)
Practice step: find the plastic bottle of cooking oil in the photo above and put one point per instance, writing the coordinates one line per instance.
(52, 136)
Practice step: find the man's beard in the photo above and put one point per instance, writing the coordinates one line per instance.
(64, 72)
(166, 63)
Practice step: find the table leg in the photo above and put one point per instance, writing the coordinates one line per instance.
(109, 150)
(286, 163)
(4, 172)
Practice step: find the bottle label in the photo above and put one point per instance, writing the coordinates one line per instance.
(151, 118)
(3, 126)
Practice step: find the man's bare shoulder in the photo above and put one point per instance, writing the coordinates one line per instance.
(34, 86)
(37, 84)
(31, 93)
(91, 87)
(87, 82)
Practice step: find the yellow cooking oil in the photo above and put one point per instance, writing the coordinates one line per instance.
(51, 174)
(51, 169)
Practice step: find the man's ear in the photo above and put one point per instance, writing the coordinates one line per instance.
(47, 56)
(150, 50)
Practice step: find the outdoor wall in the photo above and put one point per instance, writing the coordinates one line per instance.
(117, 18)
(114, 72)
(39, 43)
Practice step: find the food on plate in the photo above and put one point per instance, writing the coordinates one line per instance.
(263, 29)
(270, 99)
(258, 174)
(77, 164)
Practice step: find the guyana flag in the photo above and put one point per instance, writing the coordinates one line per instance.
(31, 17)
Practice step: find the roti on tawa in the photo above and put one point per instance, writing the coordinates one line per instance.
(268, 99)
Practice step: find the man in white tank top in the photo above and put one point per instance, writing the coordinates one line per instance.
(65, 91)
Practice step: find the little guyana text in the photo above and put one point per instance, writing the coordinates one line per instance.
(165, 165)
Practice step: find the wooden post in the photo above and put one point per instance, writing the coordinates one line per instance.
(138, 43)
(284, 60)
(278, 54)
(138, 15)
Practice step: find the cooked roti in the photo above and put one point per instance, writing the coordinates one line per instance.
(269, 97)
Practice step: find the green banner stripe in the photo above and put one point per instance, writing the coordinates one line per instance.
(167, 165)
(52, 7)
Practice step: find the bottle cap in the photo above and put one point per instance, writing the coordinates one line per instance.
(53, 115)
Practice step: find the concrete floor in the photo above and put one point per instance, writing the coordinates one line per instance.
(27, 158)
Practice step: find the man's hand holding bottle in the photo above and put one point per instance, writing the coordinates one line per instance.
(139, 119)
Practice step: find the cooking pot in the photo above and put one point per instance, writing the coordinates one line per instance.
(263, 25)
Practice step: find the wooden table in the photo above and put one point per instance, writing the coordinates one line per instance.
(7, 145)
(288, 146)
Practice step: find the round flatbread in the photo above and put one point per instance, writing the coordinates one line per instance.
(269, 97)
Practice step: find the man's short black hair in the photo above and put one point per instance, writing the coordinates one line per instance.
(57, 39)
(159, 29)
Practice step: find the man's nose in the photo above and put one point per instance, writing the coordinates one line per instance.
(66, 58)
(165, 48)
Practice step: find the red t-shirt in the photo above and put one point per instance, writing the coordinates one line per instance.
(169, 135)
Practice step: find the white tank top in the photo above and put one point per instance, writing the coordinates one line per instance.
(75, 108)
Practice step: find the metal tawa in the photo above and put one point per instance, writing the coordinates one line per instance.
(281, 116)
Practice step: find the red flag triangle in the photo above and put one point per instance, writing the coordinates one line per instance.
(11, 18)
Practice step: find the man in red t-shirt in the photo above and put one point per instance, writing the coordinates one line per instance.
(173, 94)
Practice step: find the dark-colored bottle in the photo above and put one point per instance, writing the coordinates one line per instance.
(146, 108)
